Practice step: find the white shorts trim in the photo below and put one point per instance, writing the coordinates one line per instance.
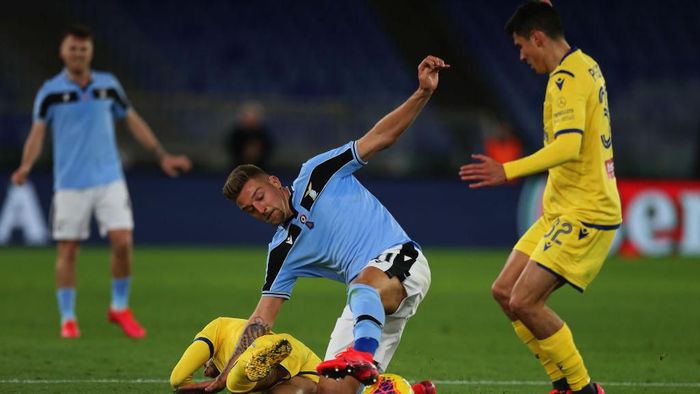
(416, 285)
(72, 209)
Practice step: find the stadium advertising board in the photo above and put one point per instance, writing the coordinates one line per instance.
(660, 217)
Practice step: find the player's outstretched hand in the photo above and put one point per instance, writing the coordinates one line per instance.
(488, 172)
(194, 388)
(19, 177)
(174, 165)
(216, 385)
(429, 72)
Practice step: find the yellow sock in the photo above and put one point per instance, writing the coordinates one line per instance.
(562, 351)
(530, 341)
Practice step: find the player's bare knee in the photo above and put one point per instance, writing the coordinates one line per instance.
(501, 294)
(520, 306)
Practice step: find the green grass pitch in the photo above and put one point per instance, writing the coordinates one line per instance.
(637, 327)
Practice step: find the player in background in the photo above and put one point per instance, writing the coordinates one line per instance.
(570, 242)
(330, 226)
(80, 105)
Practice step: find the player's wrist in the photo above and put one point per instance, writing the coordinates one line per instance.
(159, 152)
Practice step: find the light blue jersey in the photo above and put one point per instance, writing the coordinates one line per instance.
(338, 226)
(82, 122)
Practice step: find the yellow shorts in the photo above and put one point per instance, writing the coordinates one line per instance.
(300, 362)
(568, 248)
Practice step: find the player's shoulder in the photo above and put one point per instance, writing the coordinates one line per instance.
(58, 82)
(99, 76)
(579, 66)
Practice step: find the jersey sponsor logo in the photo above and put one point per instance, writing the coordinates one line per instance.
(610, 168)
(305, 221)
(607, 142)
(310, 192)
(560, 82)
(583, 233)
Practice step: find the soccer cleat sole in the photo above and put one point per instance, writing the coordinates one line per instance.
(263, 360)
(356, 372)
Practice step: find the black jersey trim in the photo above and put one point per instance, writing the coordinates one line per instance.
(112, 93)
(56, 98)
(559, 276)
(564, 72)
(567, 131)
(602, 226)
(208, 342)
(278, 255)
(321, 175)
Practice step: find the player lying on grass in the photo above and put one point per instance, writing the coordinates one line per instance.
(274, 363)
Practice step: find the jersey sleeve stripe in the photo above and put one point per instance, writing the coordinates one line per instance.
(356, 154)
(286, 296)
(56, 98)
(278, 255)
(602, 226)
(567, 131)
(321, 175)
(208, 342)
(564, 72)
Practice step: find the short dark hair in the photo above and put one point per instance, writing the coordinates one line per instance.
(535, 15)
(238, 178)
(77, 30)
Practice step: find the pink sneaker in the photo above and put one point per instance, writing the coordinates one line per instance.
(70, 329)
(125, 319)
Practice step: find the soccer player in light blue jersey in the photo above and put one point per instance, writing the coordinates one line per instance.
(80, 106)
(330, 226)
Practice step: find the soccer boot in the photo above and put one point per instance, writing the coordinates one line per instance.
(265, 358)
(125, 319)
(351, 362)
(70, 329)
(424, 387)
(557, 391)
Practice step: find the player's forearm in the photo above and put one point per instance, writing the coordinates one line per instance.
(33, 146)
(565, 148)
(144, 134)
(391, 126)
(255, 328)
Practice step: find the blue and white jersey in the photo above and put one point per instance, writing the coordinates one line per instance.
(338, 226)
(82, 123)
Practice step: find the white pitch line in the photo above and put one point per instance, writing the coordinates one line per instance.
(445, 382)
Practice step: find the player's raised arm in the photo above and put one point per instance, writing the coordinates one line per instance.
(390, 127)
(170, 164)
(260, 323)
(32, 150)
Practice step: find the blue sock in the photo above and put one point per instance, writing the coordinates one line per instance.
(368, 312)
(66, 303)
(120, 293)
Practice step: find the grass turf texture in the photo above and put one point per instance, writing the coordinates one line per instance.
(638, 322)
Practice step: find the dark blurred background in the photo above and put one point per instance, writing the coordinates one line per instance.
(324, 71)
(316, 74)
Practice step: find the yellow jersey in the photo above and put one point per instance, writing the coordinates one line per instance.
(576, 102)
